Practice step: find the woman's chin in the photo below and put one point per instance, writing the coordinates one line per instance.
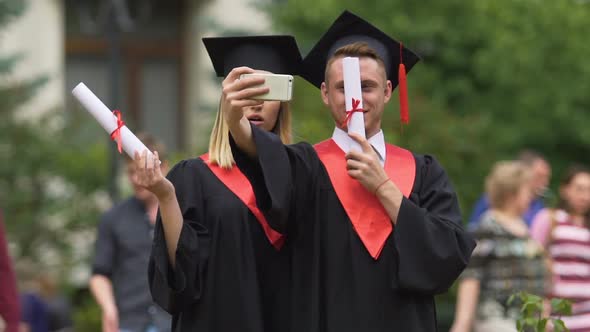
(258, 124)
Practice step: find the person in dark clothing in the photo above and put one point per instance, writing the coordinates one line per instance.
(119, 281)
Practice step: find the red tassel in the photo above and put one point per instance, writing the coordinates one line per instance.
(404, 111)
(403, 95)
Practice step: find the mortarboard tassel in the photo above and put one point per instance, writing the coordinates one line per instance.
(403, 90)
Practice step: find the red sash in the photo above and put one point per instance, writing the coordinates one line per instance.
(237, 182)
(368, 217)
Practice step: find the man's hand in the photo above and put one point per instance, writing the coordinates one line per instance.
(237, 93)
(110, 319)
(364, 166)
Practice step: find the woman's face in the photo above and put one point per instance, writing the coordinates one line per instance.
(577, 193)
(264, 116)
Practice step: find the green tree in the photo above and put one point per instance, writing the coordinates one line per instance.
(51, 175)
(495, 77)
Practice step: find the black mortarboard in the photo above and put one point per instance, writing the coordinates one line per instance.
(347, 29)
(276, 54)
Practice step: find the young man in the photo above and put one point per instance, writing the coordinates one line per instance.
(119, 279)
(373, 234)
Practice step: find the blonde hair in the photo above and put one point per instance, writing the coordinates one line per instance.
(219, 147)
(359, 50)
(505, 180)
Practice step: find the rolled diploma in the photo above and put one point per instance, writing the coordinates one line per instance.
(352, 89)
(107, 119)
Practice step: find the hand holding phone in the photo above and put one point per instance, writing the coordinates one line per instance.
(280, 86)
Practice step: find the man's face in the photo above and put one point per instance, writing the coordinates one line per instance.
(541, 175)
(376, 91)
(141, 193)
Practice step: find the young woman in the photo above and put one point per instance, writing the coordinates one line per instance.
(565, 233)
(505, 261)
(216, 263)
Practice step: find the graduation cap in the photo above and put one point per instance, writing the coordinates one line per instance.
(349, 28)
(277, 54)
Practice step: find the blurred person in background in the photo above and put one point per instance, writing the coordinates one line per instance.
(506, 259)
(43, 307)
(119, 280)
(34, 311)
(34, 316)
(541, 174)
(9, 301)
(59, 311)
(565, 232)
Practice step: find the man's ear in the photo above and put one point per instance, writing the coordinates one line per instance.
(388, 91)
(324, 91)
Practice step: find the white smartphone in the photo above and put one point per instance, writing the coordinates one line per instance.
(280, 86)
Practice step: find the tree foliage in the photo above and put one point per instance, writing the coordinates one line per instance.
(51, 175)
(495, 77)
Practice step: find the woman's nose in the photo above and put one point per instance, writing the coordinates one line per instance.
(256, 108)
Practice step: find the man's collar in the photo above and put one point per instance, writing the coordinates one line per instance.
(344, 142)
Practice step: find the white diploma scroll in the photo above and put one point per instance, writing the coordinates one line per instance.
(352, 89)
(107, 119)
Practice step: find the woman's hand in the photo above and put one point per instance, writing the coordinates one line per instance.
(148, 174)
(237, 93)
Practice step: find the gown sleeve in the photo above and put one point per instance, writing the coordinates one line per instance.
(432, 247)
(176, 287)
(282, 177)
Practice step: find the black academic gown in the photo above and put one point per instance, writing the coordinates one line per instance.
(227, 275)
(336, 285)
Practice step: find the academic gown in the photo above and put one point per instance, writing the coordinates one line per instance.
(336, 285)
(227, 275)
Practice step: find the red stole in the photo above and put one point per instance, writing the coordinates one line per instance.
(368, 217)
(237, 182)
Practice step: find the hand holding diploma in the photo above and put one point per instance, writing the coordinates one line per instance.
(113, 124)
(362, 162)
(149, 175)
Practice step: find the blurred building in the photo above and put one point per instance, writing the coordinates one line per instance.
(166, 84)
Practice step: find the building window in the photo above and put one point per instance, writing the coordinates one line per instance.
(150, 67)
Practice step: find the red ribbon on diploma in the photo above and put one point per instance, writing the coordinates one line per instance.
(116, 134)
(355, 109)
